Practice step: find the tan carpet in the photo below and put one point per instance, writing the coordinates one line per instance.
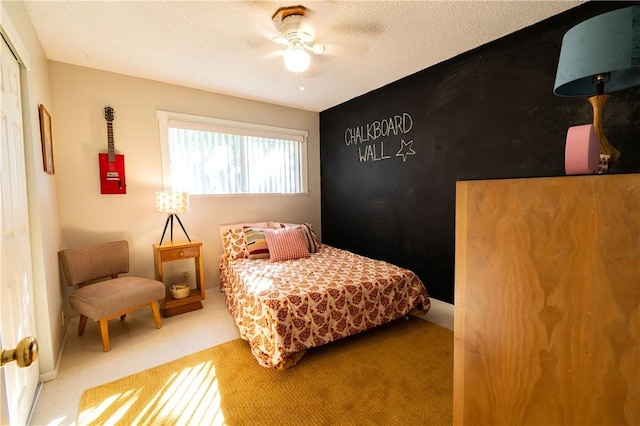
(398, 374)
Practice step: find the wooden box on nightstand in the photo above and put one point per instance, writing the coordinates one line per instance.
(178, 250)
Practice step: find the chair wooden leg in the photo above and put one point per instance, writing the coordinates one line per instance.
(104, 333)
(156, 313)
(81, 325)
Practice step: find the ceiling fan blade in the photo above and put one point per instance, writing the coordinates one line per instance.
(317, 48)
(280, 40)
(358, 28)
(345, 48)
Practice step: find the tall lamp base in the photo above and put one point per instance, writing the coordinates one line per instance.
(170, 219)
(598, 102)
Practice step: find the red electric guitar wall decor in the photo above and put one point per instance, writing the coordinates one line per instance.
(112, 179)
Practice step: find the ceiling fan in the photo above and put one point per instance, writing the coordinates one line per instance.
(297, 36)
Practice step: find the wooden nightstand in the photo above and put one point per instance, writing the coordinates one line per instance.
(178, 250)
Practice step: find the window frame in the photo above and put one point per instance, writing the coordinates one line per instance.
(198, 122)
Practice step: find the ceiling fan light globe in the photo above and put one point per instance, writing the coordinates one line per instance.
(296, 60)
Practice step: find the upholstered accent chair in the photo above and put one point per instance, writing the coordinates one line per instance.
(102, 295)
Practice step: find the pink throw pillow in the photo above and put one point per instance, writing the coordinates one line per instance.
(311, 241)
(286, 244)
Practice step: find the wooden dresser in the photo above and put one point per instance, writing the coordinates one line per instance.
(547, 301)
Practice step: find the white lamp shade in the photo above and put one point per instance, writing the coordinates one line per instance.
(607, 43)
(172, 202)
(296, 59)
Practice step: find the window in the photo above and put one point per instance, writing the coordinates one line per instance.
(202, 155)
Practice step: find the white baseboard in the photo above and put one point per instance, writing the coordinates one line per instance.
(52, 375)
(441, 313)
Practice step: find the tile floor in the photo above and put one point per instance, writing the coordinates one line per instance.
(136, 345)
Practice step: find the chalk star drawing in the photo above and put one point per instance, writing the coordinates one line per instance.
(409, 150)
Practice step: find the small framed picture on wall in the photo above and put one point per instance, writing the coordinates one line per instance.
(47, 140)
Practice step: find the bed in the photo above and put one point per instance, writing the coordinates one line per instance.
(284, 305)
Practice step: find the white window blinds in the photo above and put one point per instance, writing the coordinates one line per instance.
(210, 156)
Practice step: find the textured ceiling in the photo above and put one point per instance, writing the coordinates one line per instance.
(227, 47)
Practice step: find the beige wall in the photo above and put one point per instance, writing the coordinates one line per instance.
(67, 209)
(80, 133)
(41, 187)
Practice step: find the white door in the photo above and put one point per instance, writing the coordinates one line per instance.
(17, 312)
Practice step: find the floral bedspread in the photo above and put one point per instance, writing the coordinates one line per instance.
(283, 308)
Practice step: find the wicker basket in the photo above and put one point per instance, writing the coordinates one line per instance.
(180, 291)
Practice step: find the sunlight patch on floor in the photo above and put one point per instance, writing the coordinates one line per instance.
(62, 420)
(192, 395)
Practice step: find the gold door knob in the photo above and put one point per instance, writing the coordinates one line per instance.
(24, 354)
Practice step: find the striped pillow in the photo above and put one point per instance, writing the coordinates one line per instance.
(312, 237)
(286, 243)
(256, 243)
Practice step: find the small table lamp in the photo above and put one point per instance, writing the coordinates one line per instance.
(172, 203)
(599, 56)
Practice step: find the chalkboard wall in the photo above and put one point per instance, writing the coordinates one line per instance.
(390, 159)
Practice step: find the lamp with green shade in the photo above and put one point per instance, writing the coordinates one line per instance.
(599, 56)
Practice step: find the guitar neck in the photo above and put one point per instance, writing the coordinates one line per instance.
(112, 151)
